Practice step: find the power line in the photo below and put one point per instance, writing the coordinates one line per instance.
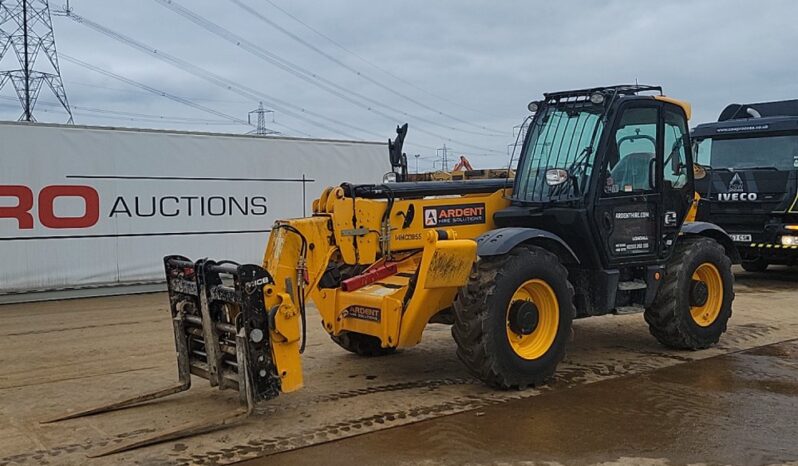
(371, 63)
(342, 92)
(296, 71)
(152, 90)
(164, 94)
(357, 72)
(153, 119)
(175, 119)
(158, 117)
(245, 91)
(70, 82)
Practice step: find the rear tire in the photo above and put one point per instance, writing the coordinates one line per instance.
(757, 265)
(676, 318)
(361, 344)
(497, 350)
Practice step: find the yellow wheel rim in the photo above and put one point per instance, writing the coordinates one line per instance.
(706, 314)
(537, 343)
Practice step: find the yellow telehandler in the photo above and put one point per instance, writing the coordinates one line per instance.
(597, 220)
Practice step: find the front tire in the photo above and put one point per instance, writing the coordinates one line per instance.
(513, 318)
(694, 303)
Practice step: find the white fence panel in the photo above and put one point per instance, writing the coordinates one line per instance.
(85, 207)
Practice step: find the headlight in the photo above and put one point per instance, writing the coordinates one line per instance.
(556, 176)
(788, 240)
(533, 107)
(389, 177)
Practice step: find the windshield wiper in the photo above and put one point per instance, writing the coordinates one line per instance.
(580, 160)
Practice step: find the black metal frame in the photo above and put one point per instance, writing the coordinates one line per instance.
(221, 330)
(222, 327)
(616, 90)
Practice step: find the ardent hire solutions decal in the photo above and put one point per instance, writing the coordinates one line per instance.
(454, 215)
(362, 313)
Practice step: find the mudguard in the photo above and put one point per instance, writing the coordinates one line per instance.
(502, 240)
(715, 232)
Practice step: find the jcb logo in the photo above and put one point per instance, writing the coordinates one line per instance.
(45, 203)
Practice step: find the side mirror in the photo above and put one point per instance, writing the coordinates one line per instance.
(556, 176)
(676, 165)
(675, 157)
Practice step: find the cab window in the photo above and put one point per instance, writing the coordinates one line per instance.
(675, 164)
(632, 152)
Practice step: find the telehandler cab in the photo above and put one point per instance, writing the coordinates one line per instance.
(596, 221)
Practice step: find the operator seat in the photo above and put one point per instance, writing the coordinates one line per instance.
(633, 170)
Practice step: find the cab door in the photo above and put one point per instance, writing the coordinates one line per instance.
(677, 175)
(628, 197)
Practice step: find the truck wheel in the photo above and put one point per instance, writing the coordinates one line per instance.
(694, 302)
(361, 344)
(513, 318)
(757, 265)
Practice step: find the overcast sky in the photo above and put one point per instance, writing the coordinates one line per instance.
(466, 69)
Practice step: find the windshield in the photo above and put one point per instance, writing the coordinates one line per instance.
(563, 136)
(780, 152)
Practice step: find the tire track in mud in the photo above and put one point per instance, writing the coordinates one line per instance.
(78, 377)
(743, 334)
(82, 327)
(385, 419)
(38, 456)
(569, 374)
(572, 374)
(398, 386)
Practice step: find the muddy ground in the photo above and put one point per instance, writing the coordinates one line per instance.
(737, 408)
(64, 355)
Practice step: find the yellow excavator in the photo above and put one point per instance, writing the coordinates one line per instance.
(598, 219)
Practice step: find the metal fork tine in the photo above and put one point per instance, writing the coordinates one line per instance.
(186, 430)
(184, 375)
(122, 403)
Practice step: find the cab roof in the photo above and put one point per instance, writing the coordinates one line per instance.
(763, 117)
(617, 91)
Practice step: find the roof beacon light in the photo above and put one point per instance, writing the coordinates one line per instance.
(597, 98)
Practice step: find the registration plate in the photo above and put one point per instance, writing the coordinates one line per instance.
(741, 238)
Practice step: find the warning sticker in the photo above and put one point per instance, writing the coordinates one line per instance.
(454, 215)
